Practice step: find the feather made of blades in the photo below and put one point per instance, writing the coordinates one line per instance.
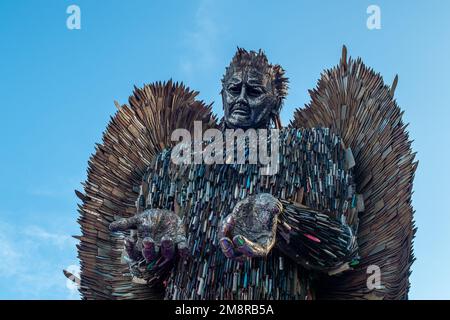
(136, 133)
(355, 103)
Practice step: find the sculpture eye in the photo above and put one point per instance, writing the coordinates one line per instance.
(234, 89)
(254, 91)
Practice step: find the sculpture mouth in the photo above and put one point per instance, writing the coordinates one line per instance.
(240, 110)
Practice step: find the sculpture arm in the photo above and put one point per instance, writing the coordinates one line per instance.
(157, 232)
(316, 240)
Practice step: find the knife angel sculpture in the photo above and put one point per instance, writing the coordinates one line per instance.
(336, 214)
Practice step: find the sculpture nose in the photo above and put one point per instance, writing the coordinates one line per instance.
(243, 95)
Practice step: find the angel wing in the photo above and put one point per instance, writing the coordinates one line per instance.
(135, 134)
(353, 101)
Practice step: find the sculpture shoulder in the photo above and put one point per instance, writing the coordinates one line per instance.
(312, 136)
(319, 142)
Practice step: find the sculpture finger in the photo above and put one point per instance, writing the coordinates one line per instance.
(130, 248)
(228, 249)
(249, 248)
(149, 249)
(124, 224)
(226, 226)
(183, 249)
(167, 248)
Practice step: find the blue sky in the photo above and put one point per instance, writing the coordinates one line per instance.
(57, 88)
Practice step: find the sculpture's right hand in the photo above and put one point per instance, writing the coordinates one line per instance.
(249, 231)
(160, 236)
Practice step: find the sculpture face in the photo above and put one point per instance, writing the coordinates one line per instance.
(248, 99)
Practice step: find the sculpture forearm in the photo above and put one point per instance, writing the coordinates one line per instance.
(316, 240)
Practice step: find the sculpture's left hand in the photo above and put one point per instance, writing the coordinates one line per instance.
(250, 230)
(160, 236)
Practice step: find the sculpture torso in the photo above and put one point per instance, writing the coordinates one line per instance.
(311, 172)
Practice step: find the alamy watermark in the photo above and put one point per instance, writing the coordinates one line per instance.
(232, 146)
(374, 279)
(73, 21)
(374, 20)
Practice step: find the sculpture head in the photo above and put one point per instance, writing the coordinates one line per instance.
(252, 91)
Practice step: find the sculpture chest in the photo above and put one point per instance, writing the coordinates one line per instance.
(311, 172)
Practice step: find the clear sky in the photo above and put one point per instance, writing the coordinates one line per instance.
(57, 88)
